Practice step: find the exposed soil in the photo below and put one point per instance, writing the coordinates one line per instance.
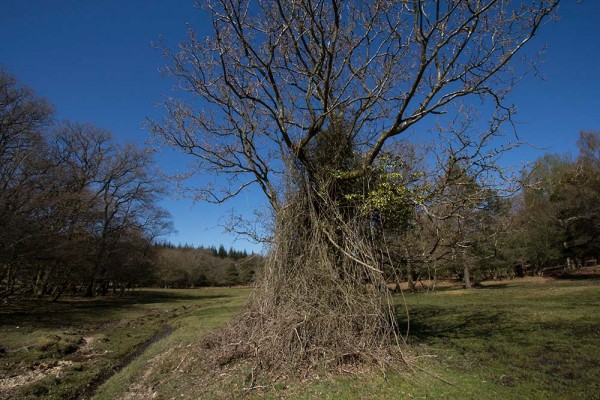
(24, 374)
(163, 333)
(37, 372)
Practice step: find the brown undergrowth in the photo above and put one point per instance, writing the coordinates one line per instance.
(322, 301)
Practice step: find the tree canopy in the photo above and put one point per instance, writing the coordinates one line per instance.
(274, 77)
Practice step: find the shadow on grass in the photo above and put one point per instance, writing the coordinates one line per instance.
(429, 323)
(488, 286)
(543, 338)
(459, 286)
(79, 312)
(427, 289)
(578, 277)
(159, 296)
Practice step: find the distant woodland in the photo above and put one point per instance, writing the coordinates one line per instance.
(188, 267)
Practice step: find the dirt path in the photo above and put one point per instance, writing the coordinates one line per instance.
(165, 331)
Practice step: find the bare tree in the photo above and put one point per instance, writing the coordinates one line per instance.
(23, 118)
(109, 198)
(275, 78)
(74, 206)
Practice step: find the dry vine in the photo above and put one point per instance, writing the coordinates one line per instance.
(323, 298)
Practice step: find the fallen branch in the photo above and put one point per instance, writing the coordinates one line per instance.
(247, 389)
(435, 376)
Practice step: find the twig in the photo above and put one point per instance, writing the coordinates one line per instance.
(181, 362)
(435, 376)
(255, 387)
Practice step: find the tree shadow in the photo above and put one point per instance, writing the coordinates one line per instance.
(429, 323)
(84, 313)
(155, 296)
(488, 286)
(578, 277)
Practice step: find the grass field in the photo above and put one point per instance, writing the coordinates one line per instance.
(520, 339)
(515, 340)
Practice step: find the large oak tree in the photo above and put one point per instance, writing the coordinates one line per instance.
(278, 80)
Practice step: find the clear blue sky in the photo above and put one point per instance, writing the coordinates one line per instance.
(94, 61)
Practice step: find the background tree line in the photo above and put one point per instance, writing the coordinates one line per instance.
(188, 266)
(548, 224)
(79, 212)
(557, 214)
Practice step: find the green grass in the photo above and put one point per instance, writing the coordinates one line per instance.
(167, 354)
(92, 338)
(515, 340)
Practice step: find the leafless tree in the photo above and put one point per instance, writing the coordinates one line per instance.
(276, 78)
(113, 192)
(71, 200)
(23, 119)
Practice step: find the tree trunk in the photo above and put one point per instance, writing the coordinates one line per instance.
(409, 271)
(103, 288)
(38, 289)
(409, 277)
(58, 291)
(6, 290)
(89, 289)
(466, 277)
(322, 293)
